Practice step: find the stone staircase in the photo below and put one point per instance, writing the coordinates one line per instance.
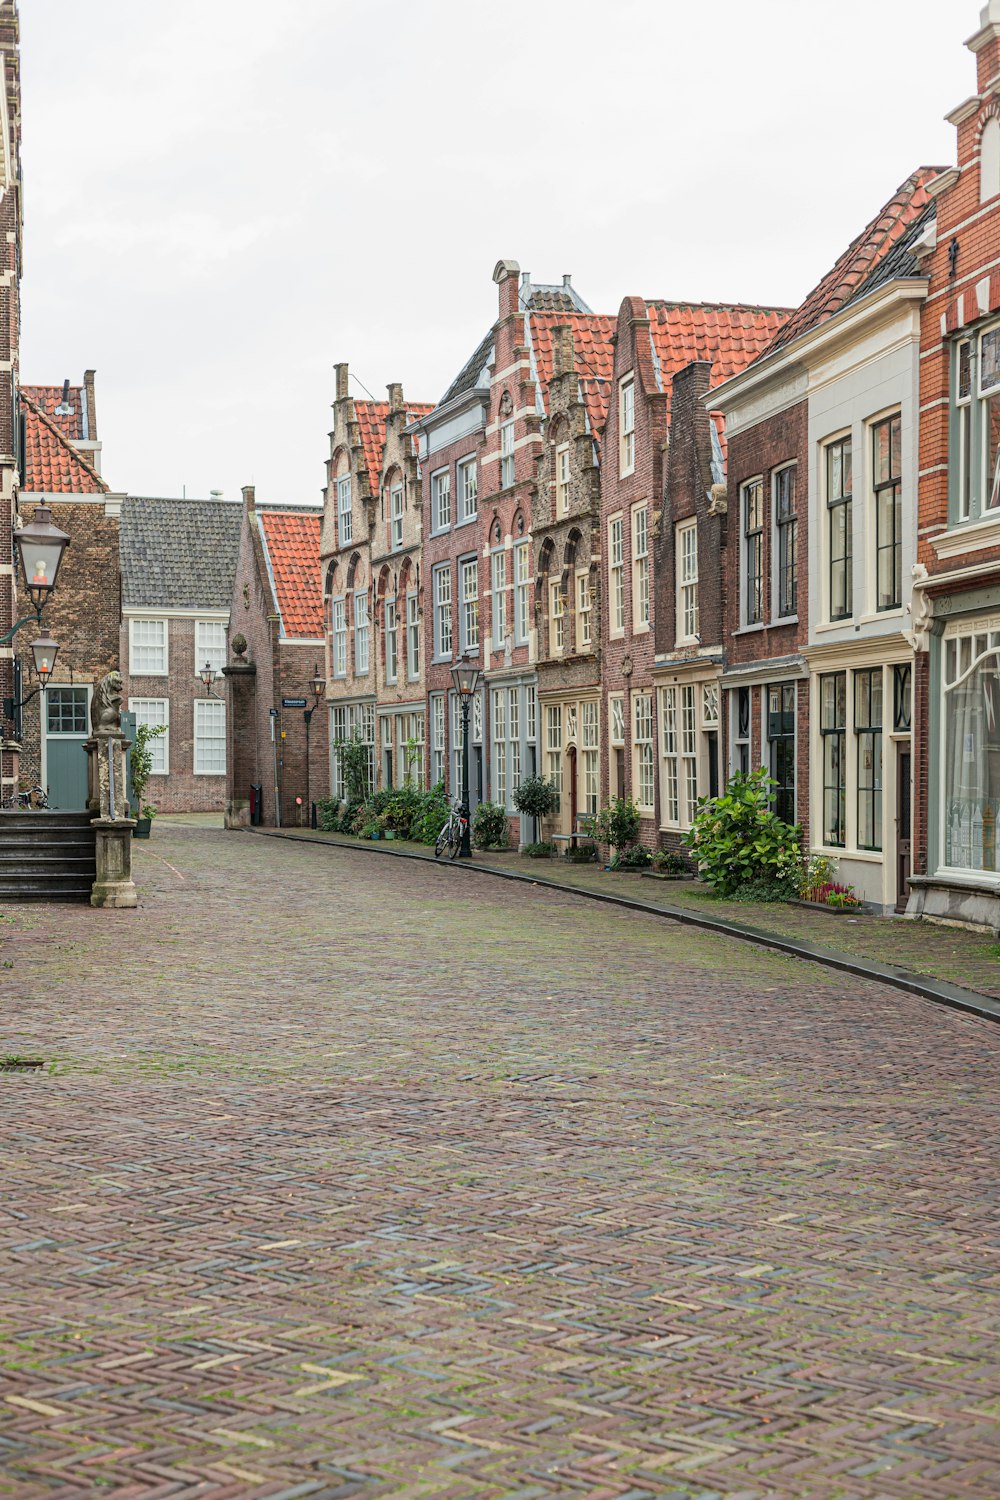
(46, 856)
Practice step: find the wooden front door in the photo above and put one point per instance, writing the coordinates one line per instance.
(903, 831)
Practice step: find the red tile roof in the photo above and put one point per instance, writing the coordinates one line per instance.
(414, 411)
(371, 416)
(51, 464)
(292, 542)
(48, 397)
(731, 336)
(594, 352)
(861, 257)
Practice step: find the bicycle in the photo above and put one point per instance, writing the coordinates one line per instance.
(449, 840)
(27, 801)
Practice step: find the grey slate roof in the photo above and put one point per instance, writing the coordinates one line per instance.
(179, 554)
(468, 377)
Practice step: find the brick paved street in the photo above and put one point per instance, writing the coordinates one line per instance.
(356, 1180)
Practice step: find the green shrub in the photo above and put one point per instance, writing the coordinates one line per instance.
(490, 829)
(355, 762)
(328, 814)
(542, 850)
(582, 854)
(141, 760)
(668, 862)
(369, 830)
(430, 815)
(736, 839)
(617, 824)
(536, 797)
(632, 857)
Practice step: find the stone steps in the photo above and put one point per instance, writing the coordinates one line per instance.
(46, 856)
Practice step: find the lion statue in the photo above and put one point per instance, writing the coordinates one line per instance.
(106, 704)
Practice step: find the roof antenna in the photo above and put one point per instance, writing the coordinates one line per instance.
(64, 409)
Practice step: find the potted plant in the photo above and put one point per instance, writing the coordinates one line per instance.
(536, 798)
(141, 765)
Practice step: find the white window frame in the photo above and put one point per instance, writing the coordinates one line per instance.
(670, 778)
(468, 490)
(498, 604)
(437, 759)
(443, 631)
(616, 571)
(498, 759)
(136, 646)
(154, 711)
(590, 756)
(345, 518)
(640, 569)
(688, 752)
(626, 425)
(506, 454)
(553, 743)
(584, 603)
(468, 614)
(522, 616)
(338, 635)
(362, 633)
(562, 480)
(214, 708)
(412, 637)
(391, 643)
(441, 501)
(396, 517)
(643, 754)
(686, 557)
(214, 655)
(557, 618)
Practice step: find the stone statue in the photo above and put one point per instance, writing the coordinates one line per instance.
(106, 705)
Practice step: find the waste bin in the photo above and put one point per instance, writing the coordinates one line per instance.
(256, 804)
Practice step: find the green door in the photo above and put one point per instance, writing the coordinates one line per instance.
(66, 728)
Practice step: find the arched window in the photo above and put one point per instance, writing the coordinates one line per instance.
(989, 160)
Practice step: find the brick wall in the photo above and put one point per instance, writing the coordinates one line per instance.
(10, 261)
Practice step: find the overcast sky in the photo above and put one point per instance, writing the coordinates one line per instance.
(223, 198)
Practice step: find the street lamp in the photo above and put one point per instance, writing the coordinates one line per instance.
(41, 546)
(45, 650)
(465, 675)
(208, 675)
(319, 688)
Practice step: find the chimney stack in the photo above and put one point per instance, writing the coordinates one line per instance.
(505, 274)
(563, 352)
(341, 373)
(249, 497)
(395, 396)
(90, 399)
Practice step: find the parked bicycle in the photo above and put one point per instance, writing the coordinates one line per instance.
(29, 800)
(449, 840)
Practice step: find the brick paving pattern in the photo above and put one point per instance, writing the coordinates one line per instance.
(356, 1181)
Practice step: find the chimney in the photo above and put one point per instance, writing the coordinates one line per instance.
(249, 498)
(505, 274)
(567, 280)
(341, 373)
(90, 404)
(563, 353)
(395, 396)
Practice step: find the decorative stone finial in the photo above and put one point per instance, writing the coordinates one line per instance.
(239, 645)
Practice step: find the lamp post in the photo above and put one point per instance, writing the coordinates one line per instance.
(208, 675)
(319, 688)
(465, 675)
(40, 547)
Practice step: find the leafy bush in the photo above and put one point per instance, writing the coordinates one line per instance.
(632, 857)
(818, 870)
(832, 894)
(369, 830)
(328, 814)
(542, 850)
(141, 759)
(617, 824)
(430, 816)
(668, 862)
(582, 854)
(355, 761)
(536, 797)
(761, 892)
(736, 839)
(489, 826)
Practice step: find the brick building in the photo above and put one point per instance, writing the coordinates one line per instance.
(277, 606)
(956, 605)
(574, 356)
(354, 469)
(10, 313)
(178, 561)
(658, 753)
(396, 533)
(61, 454)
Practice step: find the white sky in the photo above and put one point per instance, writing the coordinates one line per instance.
(217, 210)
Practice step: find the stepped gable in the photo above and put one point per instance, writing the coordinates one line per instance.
(371, 418)
(179, 554)
(594, 355)
(51, 464)
(856, 267)
(291, 541)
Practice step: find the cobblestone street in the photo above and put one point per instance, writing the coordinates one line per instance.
(357, 1177)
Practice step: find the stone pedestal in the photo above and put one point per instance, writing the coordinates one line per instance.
(114, 885)
(241, 741)
(112, 825)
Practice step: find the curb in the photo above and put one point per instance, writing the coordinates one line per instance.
(939, 991)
